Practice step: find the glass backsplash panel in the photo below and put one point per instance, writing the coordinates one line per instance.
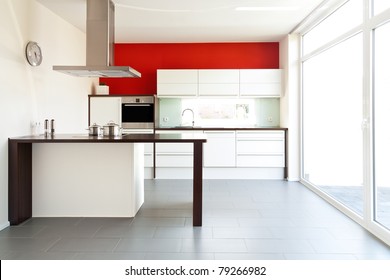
(264, 112)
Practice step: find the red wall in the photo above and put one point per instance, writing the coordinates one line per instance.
(147, 58)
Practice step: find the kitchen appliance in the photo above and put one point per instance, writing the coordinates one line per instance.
(111, 129)
(94, 130)
(100, 45)
(137, 112)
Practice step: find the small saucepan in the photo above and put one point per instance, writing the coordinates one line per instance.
(111, 129)
(94, 130)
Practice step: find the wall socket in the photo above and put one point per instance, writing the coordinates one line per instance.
(165, 119)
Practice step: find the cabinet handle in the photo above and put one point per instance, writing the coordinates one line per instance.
(137, 105)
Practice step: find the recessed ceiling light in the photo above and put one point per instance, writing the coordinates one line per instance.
(266, 9)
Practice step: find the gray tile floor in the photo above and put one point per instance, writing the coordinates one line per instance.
(243, 219)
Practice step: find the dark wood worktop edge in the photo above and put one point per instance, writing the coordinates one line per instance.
(27, 139)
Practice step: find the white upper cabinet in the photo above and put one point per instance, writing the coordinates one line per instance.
(176, 83)
(219, 76)
(261, 82)
(219, 82)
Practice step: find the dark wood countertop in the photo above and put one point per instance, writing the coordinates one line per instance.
(189, 137)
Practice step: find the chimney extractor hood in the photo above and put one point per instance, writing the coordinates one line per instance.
(100, 45)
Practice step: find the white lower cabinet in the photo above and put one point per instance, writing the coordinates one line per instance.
(148, 155)
(148, 147)
(173, 154)
(260, 161)
(260, 149)
(235, 154)
(174, 160)
(220, 149)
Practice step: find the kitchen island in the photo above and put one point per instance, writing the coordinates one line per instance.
(21, 166)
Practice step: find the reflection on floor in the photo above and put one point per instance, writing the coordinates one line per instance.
(352, 197)
(243, 219)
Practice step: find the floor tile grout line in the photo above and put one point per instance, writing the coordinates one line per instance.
(53, 244)
(116, 246)
(37, 233)
(94, 234)
(155, 232)
(79, 221)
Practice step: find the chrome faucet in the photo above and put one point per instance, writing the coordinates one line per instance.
(193, 115)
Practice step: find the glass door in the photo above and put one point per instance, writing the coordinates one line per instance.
(381, 93)
(332, 117)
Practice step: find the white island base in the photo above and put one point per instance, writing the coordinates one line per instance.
(87, 179)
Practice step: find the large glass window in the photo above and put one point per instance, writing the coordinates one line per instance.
(380, 6)
(381, 124)
(345, 18)
(209, 112)
(345, 111)
(332, 98)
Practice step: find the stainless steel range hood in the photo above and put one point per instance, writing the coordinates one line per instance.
(100, 45)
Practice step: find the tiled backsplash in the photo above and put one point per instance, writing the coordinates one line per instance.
(266, 112)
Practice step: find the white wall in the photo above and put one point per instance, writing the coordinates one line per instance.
(290, 101)
(35, 93)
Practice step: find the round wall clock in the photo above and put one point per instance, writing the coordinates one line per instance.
(33, 53)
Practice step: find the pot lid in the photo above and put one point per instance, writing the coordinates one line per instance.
(111, 123)
(94, 125)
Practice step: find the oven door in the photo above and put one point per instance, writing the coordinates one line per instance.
(137, 115)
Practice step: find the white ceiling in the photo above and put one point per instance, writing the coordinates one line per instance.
(166, 21)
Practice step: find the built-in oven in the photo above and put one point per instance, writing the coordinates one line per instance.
(138, 112)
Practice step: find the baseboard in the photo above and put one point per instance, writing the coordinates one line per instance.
(293, 179)
(5, 225)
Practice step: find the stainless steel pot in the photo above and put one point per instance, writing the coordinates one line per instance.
(94, 130)
(111, 129)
